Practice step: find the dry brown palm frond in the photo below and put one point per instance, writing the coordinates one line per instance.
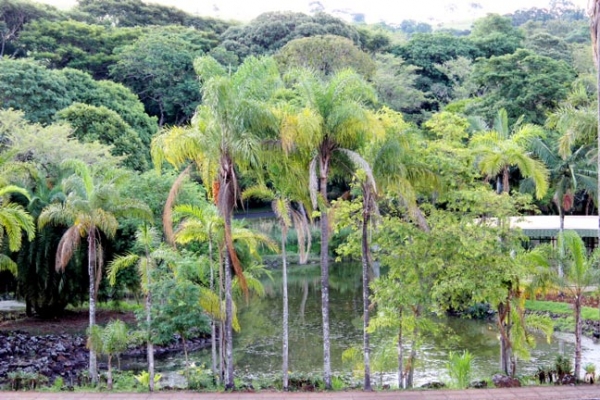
(69, 241)
(235, 261)
(167, 218)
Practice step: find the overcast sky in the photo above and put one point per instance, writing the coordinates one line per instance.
(375, 10)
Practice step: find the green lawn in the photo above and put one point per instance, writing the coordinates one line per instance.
(561, 308)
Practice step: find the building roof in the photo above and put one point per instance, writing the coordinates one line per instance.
(538, 226)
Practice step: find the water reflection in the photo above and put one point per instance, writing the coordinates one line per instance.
(258, 345)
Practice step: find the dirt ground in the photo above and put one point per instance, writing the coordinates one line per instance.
(72, 322)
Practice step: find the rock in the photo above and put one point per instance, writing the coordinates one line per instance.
(478, 384)
(434, 385)
(503, 381)
(567, 380)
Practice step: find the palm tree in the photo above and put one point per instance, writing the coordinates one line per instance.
(111, 340)
(501, 148)
(147, 242)
(333, 116)
(14, 221)
(580, 271)
(226, 138)
(594, 12)
(91, 209)
(203, 224)
(569, 173)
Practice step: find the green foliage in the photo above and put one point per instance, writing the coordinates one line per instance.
(325, 55)
(523, 83)
(201, 378)
(101, 124)
(74, 44)
(128, 13)
(270, 31)
(460, 369)
(144, 379)
(158, 67)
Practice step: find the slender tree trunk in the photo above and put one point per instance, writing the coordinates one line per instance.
(93, 366)
(365, 279)
(187, 362)
(150, 345)
(561, 231)
(229, 381)
(109, 380)
(413, 350)
(400, 353)
(596, 16)
(213, 327)
(578, 333)
(325, 274)
(285, 353)
(505, 178)
(307, 237)
(505, 345)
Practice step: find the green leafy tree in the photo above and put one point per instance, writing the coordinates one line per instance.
(158, 67)
(326, 55)
(74, 44)
(523, 83)
(91, 209)
(270, 31)
(495, 35)
(131, 13)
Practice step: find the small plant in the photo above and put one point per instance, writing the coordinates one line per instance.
(459, 369)
(562, 366)
(590, 373)
(57, 384)
(144, 379)
(337, 383)
(200, 378)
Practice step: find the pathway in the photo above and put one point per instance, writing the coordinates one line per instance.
(584, 392)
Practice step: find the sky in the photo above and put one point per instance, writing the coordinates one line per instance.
(431, 11)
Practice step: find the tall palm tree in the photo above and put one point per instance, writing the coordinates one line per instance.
(91, 209)
(504, 147)
(147, 243)
(334, 116)
(594, 12)
(226, 135)
(14, 221)
(580, 271)
(288, 187)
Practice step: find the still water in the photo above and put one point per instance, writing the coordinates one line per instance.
(257, 347)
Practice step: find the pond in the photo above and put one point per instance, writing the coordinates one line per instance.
(257, 347)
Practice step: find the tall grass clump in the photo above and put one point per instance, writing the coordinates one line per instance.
(459, 369)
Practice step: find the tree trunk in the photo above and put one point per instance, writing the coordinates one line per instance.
(307, 237)
(109, 380)
(325, 276)
(185, 353)
(413, 351)
(229, 382)
(285, 353)
(505, 182)
(400, 353)
(150, 345)
(213, 328)
(561, 231)
(365, 281)
(597, 26)
(505, 345)
(93, 366)
(578, 333)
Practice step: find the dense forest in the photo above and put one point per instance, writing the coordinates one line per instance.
(130, 132)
